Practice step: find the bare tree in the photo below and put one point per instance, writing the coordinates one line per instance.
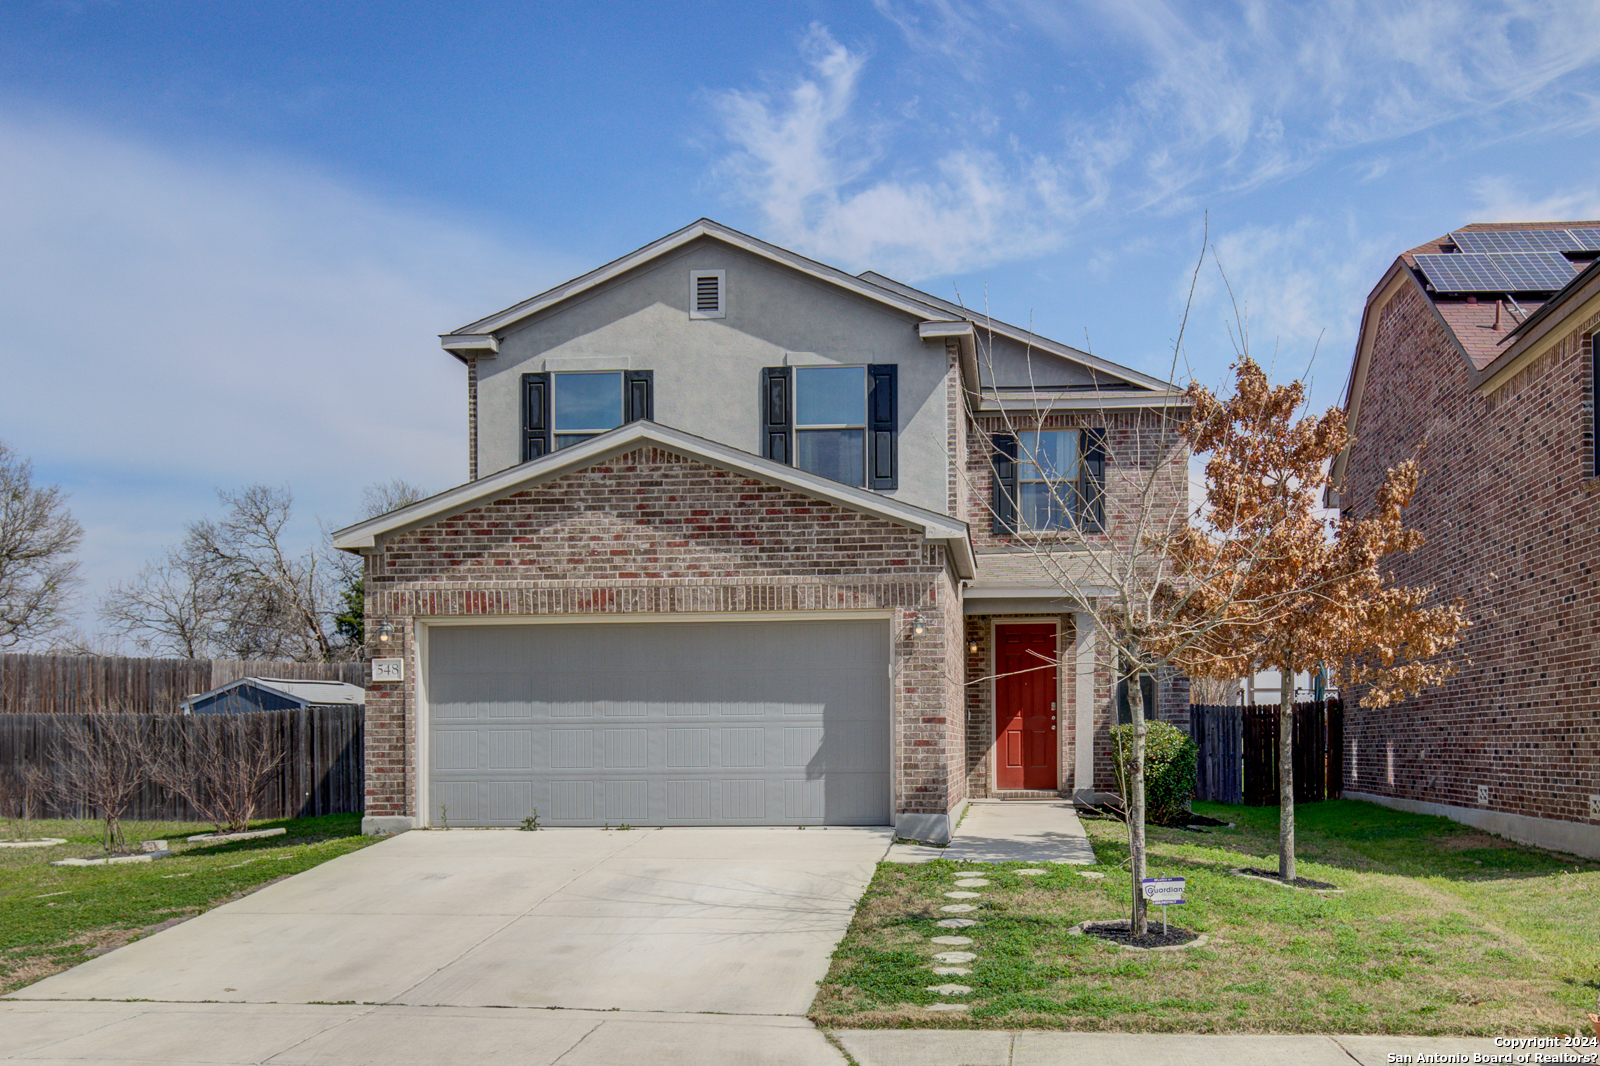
(220, 764)
(37, 538)
(96, 765)
(177, 605)
(381, 497)
(1102, 522)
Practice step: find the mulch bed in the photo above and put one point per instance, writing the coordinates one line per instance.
(1201, 819)
(1119, 933)
(1299, 882)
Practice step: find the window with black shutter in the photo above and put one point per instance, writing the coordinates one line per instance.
(842, 422)
(1147, 687)
(560, 409)
(1050, 480)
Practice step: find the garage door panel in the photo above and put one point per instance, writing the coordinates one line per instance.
(738, 723)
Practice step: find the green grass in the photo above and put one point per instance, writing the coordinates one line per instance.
(1440, 929)
(54, 917)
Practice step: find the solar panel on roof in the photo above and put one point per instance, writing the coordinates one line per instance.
(1497, 272)
(1514, 240)
(1587, 240)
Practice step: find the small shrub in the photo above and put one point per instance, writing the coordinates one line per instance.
(1169, 762)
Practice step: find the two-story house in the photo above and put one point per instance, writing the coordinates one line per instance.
(1476, 353)
(733, 550)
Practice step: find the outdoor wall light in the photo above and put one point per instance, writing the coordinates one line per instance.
(917, 628)
(384, 631)
(972, 649)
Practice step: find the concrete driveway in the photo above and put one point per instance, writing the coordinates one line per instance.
(707, 941)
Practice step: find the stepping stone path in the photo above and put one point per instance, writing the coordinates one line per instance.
(1031, 873)
(952, 940)
(960, 895)
(955, 957)
(958, 908)
(950, 990)
(1091, 875)
(945, 1006)
(951, 971)
(954, 923)
(972, 882)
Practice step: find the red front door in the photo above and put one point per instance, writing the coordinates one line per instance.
(1025, 706)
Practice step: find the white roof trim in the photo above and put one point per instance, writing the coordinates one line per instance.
(1017, 333)
(929, 330)
(703, 228)
(1046, 401)
(470, 342)
(933, 526)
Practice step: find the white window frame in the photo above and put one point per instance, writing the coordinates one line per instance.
(556, 432)
(1072, 484)
(866, 405)
(694, 293)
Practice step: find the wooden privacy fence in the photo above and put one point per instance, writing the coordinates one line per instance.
(322, 771)
(1238, 749)
(84, 684)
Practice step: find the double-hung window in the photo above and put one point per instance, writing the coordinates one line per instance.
(841, 422)
(584, 405)
(830, 422)
(1049, 480)
(563, 408)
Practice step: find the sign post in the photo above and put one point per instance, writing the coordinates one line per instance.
(1163, 892)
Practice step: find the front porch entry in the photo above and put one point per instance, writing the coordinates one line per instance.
(1025, 695)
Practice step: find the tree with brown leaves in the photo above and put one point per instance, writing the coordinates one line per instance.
(1297, 594)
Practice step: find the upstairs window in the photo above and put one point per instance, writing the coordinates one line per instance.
(560, 409)
(830, 422)
(841, 422)
(1049, 480)
(584, 405)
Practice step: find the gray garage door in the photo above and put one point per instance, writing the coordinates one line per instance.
(727, 723)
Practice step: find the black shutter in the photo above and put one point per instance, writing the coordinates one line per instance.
(1092, 482)
(883, 425)
(777, 419)
(1005, 484)
(639, 395)
(1147, 687)
(535, 415)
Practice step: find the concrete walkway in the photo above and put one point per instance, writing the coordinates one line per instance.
(884, 1047)
(1010, 831)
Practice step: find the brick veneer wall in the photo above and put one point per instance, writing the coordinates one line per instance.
(1513, 526)
(654, 532)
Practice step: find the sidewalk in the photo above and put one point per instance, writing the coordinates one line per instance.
(1010, 831)
(955, 1047)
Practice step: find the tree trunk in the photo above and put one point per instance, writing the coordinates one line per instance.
(1286, 773)
(1135, 805)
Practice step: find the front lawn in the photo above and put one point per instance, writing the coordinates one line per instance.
(1440, 930)
(54, 917)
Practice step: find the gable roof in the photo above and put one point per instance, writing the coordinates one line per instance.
(1027, 337)
(1488, 334)
(483, 331)
(302, 692)
(938, 317)
(935, 527)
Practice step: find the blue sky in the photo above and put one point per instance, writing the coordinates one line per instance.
(233, 231)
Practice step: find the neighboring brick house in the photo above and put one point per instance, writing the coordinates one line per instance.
(1484, 367)
(728, 554)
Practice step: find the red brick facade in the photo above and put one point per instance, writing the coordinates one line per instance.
(1512, 516)
(653, 532)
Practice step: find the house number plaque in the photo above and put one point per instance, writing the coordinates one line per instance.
(388, 670)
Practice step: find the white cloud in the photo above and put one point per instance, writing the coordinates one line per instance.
(1502, 200)
(176, 321)
(1164, 108)
(804, 161)
(1299, 306)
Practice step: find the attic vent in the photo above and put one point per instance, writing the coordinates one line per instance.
(707, 294)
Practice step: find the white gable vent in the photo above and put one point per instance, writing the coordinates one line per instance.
(708, 293)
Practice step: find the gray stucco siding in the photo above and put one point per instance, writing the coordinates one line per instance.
(708, 371)
(1010, 364)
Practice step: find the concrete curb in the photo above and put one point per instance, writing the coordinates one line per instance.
(149, 856)
(252, 834)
